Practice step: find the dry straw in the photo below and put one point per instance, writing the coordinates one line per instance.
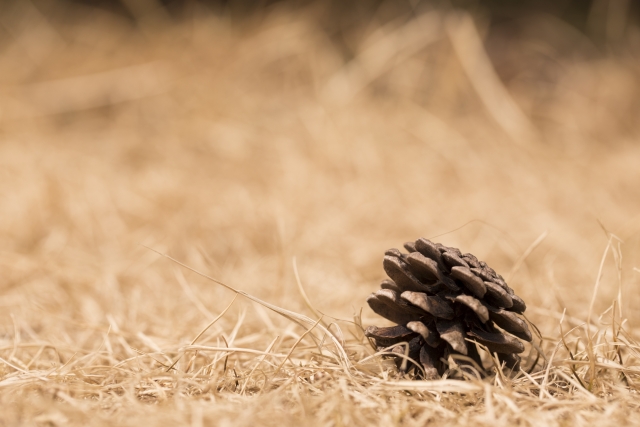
(240, 145)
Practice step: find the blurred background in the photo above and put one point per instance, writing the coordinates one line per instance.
(237, 135)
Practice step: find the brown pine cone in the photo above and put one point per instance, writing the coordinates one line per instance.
(438, 297)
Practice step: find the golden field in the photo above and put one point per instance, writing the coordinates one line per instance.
(282, 160)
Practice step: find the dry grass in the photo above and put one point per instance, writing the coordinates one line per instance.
(251, 151)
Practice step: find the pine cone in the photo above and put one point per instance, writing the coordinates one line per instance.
(438, 297)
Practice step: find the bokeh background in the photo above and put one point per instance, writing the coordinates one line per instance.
(246, 138)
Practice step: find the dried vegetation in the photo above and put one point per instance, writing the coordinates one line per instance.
(284, 160)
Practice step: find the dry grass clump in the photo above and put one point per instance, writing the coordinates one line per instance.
(283, 162)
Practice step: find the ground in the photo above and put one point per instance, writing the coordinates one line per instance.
(142, 166)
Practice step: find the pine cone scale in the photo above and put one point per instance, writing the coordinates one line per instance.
(496, 341)
(475, 305)
(393, 300)
(427, 267)
(511, 361)
(399, 271)
(433, 305)
(389, 336)
(396, 315)
(431, 365)
(470, 280)
(518, 304)
(430, 250)
(452, 332)
(498, 296)
(510, 323)
(453, 260)
(410, 247)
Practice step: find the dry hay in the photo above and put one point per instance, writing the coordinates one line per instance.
(258, 154)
